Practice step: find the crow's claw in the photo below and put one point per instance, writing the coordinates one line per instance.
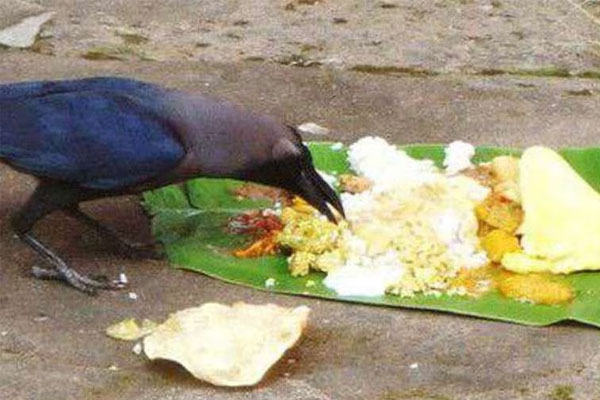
(78, 281)
(62, 271)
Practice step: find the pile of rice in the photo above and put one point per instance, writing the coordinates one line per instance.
(414, 229)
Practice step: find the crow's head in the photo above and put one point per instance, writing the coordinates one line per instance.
(291, 167)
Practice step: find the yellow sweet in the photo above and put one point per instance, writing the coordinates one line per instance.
(561, 226)
(498, 242)
(536, 288)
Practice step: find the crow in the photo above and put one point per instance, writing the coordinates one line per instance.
(92, 138)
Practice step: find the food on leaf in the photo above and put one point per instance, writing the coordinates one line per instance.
(256, 191)
(354, 184)
(498, 242)
(561, 227)
(414, 228)
(265, 246)
(410, 231)
(505, 169)
(500, 213)
(263, 226)
(536, 288)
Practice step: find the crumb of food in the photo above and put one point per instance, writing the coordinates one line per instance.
(128, 329)
(498, 242)
(113, 368)
(133, 295)
(123, 278)
(270, 282)
(354, 184)
(137, 348)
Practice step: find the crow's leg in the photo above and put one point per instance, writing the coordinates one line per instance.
(47, 198)
(136, 249)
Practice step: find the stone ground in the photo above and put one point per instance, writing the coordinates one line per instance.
(492, 72)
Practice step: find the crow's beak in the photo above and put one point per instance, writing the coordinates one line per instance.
(319, 194)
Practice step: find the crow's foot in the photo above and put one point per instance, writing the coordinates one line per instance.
(75, 279)
(62, 271)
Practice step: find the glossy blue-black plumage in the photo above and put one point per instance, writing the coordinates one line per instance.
(100, 133)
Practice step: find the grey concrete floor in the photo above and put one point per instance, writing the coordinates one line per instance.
(52, 344)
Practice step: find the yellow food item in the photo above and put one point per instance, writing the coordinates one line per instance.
(310, 237)
(300, 205)
(476, 281)
(300, 263)
(128, 329)
(536, 288)
(265, 246)
(329, 260)
(500, 213)
(354, 184)
(429, 268)
(307, 233)
(484, 229)
(483, 174)
(561, 228)
(523, 263)
(506, 168)
(498, 242)
(378, 237)
(509, 190)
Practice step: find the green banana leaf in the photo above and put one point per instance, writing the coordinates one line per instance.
(190, 220)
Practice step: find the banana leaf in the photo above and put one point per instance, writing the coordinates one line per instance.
(190, 219)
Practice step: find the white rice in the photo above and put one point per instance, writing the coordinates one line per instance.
(393, 172)
(386, 166)
(458, 157)
(365, 276)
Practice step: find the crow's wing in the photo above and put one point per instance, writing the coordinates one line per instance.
(97, 139)
(20, 90)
